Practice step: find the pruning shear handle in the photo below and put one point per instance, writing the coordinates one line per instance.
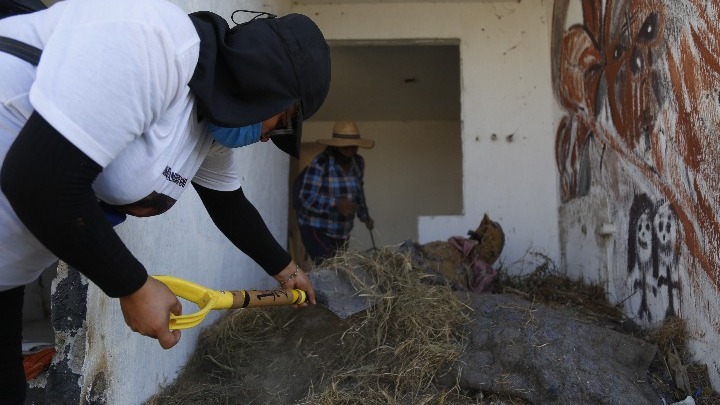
(207, 299)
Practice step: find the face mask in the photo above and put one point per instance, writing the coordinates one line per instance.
(236, 137)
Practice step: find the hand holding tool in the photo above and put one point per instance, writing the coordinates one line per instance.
(207, 299)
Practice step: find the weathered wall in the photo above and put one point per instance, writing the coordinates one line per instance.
(506, 119)
(638, 83)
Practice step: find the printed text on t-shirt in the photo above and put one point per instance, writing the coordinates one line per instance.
(174, 177)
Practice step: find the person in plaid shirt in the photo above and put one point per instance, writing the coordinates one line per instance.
(331, 193)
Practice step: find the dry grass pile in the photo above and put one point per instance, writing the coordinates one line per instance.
(388, 354)
(220, 372)
(548, 286)
(688, 378)
(393, 351)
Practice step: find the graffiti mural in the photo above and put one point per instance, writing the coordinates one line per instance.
(640, 79)
(652, 261)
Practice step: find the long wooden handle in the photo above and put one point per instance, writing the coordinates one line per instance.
(261, 298)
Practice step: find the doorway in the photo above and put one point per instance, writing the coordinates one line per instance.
(405, 95)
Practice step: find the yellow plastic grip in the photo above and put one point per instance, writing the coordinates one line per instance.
(208, 299)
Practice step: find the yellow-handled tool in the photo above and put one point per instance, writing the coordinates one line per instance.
(207, 299)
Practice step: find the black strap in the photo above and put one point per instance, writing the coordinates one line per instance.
(28, 53)
(15, 7)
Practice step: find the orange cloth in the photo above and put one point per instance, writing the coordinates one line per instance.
(36, 363)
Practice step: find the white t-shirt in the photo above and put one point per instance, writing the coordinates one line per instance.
(113, 80)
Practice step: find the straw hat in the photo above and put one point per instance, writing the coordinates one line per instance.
(346, 133)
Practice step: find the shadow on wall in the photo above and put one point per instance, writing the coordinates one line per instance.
(295, 246)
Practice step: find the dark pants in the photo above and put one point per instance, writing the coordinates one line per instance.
(12, 373)
(318, 245)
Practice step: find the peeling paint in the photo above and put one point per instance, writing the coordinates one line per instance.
(639, 80)
(69, 310)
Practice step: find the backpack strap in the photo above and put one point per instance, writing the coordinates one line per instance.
(28, 53)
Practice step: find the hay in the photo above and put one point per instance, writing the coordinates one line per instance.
(547, 285)
(221, 370)
(389, 354)
(395, 349)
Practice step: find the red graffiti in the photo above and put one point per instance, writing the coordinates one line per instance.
(642, 79)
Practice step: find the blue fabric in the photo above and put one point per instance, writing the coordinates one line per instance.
(324, 182)
(236, 137)
(113, 216)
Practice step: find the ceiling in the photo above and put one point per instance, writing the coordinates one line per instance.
(381, 81)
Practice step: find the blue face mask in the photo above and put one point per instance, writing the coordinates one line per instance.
(236, 137)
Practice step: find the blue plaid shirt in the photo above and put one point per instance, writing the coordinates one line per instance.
(325, 181)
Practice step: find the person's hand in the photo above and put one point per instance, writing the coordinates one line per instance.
(292, 277)
(369, 223)
(147, 312)
(346, 207)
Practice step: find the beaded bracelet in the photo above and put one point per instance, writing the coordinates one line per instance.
(292, 276)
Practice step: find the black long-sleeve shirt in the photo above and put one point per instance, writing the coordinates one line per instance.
(48, 182)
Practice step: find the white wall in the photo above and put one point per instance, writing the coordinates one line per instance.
(505, 89)
(183, 243)
(638, 150)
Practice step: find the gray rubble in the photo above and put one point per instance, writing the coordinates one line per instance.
(549, 356)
